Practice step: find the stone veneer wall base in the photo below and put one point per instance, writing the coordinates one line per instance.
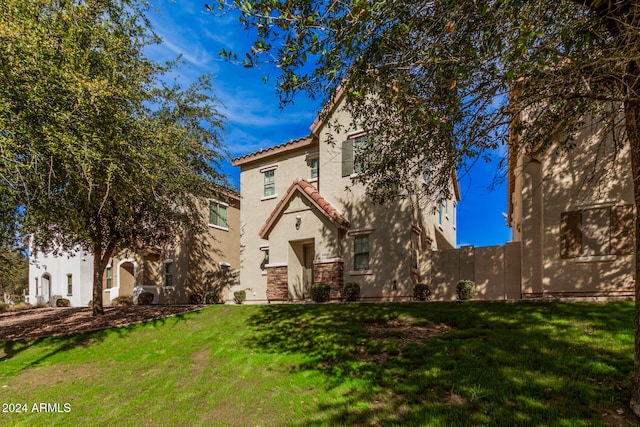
(330, 273)
(277, 283)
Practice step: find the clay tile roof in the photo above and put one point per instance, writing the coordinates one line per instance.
(312, 194)
(266, 152)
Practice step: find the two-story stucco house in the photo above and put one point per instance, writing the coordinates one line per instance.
(188, 269)
(305, 221)
(573, 212)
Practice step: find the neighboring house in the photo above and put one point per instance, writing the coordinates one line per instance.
(305, 221)
(200, 265)
(58, 274)
(188, 269)
(573, 212)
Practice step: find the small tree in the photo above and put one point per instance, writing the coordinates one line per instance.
(97, 152)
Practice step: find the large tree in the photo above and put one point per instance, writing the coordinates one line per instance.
(450, 76)
(96, 150)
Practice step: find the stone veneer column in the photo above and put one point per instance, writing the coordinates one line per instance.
(277, 283)
(331, 273)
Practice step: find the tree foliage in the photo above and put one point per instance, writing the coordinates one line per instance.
(442, 71)
(14, 270)
(97, 151)
(448, 77)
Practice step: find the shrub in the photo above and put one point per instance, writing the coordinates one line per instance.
(90, 303)
(320, 292)
(4, 307)
(145, 298)
(196, 299)
(351, 291)
(40, 304)
(22, 306)
(63, 302)
(466, 289)
(212, 299)
(239, 297)
(123, 301)
(422, 292)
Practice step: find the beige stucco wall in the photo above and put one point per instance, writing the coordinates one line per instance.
(593, 174)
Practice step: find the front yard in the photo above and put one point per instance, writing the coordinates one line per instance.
(434, 364)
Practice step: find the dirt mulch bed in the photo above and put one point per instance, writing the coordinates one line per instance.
(44, 322)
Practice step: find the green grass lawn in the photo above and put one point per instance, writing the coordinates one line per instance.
(433, 364)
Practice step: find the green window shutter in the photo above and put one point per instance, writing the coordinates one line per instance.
(621, 230)
(222, 215)
(570, 234)
(347, 157)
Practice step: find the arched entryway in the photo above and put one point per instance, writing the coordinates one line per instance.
(126, 277)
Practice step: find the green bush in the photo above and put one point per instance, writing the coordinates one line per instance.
(4, 307)
(422, 292)
(63, 302)
(145, 298)
(465, 289)
(196, 299)
(351, 291)
(212, 299)
(239, 297)
(22, 306)
(123, 301)
(320, 292)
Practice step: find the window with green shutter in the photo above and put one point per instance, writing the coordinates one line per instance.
(217, 214)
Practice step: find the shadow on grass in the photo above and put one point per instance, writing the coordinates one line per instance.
(498, 364)
(59, 344)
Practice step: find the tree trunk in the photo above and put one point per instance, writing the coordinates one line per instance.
(632, 119)
(98, 271)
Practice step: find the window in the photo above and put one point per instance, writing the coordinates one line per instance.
(313, 164)
(109, 276)
(453, 213)
(415, 246)
(440, 214)
(69, 284)
(352, 158)
(597, 232)
(361, 252)
(36, 279)
(218, 214)
(265, 258)
(269, 183)
(168, 274)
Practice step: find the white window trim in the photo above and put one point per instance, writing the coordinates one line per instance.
(593, 204)
(360, 231)
(360, 272)
(269, 168)
(273, 196)
(356, 134)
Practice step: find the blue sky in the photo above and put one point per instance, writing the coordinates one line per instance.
(255, 120)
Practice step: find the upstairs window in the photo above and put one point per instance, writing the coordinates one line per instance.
(313, 164)
(269, 183)
(352, 155)
(597, 232)
(69, 284)
(218, 214)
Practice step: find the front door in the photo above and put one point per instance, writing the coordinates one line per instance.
(46, 288)
(307, 268)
